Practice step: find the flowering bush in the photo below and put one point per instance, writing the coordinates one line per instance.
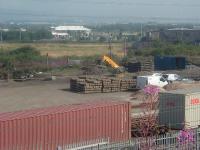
(147, 125)
(151, 90)
(151, 97)
(186, 140)
(185, 136)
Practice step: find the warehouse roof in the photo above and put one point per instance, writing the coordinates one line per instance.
(71, 28)
(185, 91)
(61, 34)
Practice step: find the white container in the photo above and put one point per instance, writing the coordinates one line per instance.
(180, 109)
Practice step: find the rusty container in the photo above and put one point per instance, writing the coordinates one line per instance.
(50, 128)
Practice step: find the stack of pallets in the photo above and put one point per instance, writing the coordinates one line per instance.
(147, 65)
(115, 84)
(127, 84)
(87, 85)
(106, 88)
(100, 84)
(140, 65)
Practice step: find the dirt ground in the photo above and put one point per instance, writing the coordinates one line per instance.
(16, 96)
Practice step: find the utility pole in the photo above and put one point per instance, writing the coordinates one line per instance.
(1, 36)
(47, 61)
(182, 35)
(20, 35)
(125, 47)
(141, 31)
(110, 46)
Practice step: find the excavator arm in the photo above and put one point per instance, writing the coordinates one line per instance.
(112, 63)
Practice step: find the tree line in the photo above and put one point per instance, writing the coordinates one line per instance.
(25, 36)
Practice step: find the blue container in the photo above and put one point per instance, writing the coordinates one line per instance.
(169, 63)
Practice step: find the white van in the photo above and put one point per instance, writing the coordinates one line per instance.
(143, 81)
(171, 77)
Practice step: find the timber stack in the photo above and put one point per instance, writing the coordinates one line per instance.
(138, 66)
(147, 65)
(91, 84)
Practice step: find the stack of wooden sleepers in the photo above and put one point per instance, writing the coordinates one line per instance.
(142, 65)
(96, 84)
(127, 84)
(85, 85)
(147, 65)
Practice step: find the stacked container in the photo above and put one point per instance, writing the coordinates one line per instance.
(180, 109)
(50, 128)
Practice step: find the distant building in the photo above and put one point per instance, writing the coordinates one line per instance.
(153, 35)
(70, 32)
(59, 35)
(176, 35)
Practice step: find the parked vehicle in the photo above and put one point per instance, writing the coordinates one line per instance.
(172, 77)
(156, 80)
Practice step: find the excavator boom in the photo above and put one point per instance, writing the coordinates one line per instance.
(113, 64)
(110, 62)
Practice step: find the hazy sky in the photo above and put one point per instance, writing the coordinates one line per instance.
(103, 8)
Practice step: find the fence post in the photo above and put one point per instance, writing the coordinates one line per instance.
(59, 148)
(47, 61)
(197, 139)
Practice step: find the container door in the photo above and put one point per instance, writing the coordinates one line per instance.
(192, 110)
(171, 110)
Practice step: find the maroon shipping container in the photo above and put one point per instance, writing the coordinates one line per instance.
(46, 129)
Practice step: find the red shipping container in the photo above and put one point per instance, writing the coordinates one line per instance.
(46, 129)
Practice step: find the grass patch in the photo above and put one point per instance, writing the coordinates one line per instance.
(67, 49)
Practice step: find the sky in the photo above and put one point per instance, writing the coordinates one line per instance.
(93, 9)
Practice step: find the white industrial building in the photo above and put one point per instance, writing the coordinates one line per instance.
(70, 32)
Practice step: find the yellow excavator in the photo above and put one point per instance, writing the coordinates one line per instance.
(113, 64)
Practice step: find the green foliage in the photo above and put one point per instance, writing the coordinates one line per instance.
(41, 34)
(21, 55)
(11, 36)
(6, 60)
(163, 48)
(102, 39)
(27, 36)
(25, 54)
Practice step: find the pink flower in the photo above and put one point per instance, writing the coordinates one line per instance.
(185, 136)
(151, 90)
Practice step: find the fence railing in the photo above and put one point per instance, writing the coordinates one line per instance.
(168, 141)
(86, 145)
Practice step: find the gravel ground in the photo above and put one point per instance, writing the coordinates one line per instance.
(16, 96)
